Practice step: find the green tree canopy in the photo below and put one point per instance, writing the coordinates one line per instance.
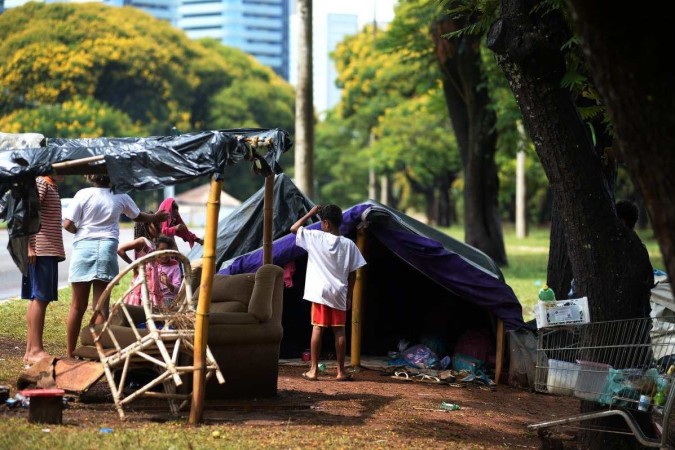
(89, 70)
(414, 139)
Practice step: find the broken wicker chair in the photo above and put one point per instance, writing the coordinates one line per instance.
(138, 338)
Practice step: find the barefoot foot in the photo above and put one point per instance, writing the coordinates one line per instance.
(32, 358)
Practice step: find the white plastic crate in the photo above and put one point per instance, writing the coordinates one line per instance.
(562, 312)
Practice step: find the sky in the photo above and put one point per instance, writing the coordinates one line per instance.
(365, 9)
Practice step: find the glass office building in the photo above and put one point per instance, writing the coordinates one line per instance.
(258, 27)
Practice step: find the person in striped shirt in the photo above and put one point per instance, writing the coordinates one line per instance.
(45, 252)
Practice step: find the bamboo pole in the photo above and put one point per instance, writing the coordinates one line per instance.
(268, 209)
(77, 162)
(499, 360)
(202, 316)
(357, 304)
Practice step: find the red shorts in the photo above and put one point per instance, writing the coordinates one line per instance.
(325, 316)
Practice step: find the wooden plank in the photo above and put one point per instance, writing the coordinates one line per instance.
(500, 350)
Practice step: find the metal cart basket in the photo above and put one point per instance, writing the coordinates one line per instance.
(625, 365)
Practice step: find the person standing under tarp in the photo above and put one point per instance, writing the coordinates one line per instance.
(45, 252)
(94, 219)
(332, 261)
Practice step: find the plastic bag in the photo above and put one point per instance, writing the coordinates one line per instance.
(421, 356)
(465, 362)
(624, 386)
(522, 358)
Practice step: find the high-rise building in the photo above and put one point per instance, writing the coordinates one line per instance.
(333, 21)
(161, 9)
(258, 27)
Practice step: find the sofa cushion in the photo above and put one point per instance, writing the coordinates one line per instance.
(223, 307)
(227, 288)
(232, 318)
(117, 316)
(124, 335)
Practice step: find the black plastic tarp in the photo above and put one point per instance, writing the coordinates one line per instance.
(241, 231)
(132, 163)
(150, 162)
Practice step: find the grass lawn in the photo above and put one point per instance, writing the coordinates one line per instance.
(528, 259)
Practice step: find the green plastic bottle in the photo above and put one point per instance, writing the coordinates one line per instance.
(449, 406)
(546, 294)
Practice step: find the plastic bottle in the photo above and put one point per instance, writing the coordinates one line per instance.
(663, 387)
(322, 367)
(546, 294)
(449, 406)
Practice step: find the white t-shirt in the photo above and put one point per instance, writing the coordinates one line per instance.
(96, 213)
(330, 260)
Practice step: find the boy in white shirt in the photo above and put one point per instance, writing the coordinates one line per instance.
(332, 261)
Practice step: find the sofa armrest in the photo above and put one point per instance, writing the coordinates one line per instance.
(196, 273)
(262, 296)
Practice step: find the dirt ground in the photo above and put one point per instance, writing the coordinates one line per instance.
(488, 418)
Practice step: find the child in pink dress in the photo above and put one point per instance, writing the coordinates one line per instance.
(175, 226)
(169, 270)
(143, 244)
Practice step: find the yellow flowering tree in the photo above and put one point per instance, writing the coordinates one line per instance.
(56, 56)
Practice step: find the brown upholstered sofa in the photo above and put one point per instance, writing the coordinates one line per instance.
(245, 332)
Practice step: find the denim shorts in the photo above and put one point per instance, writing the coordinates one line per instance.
(93, 259)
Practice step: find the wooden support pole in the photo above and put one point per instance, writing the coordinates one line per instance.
(202, 316)
(357, 304)
(268, 216)
(499, 360)
(77, 162)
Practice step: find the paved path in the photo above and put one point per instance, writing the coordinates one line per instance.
(10, 277)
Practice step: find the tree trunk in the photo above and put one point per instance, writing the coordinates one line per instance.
(445, 205)
(559, 270)
(610, 264)
(429, 197)
(467, 100)
(304, 104)
(638, 90)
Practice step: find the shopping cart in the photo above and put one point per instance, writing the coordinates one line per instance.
(624, 365)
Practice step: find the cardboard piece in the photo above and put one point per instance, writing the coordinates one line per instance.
(77, 376)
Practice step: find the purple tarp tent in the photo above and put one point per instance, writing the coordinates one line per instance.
(407, 253)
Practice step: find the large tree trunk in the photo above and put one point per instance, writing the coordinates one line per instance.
(445, 211)
(559, 270)
(304, 104)
(610, 264)
(474, 123)
(639, 91)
